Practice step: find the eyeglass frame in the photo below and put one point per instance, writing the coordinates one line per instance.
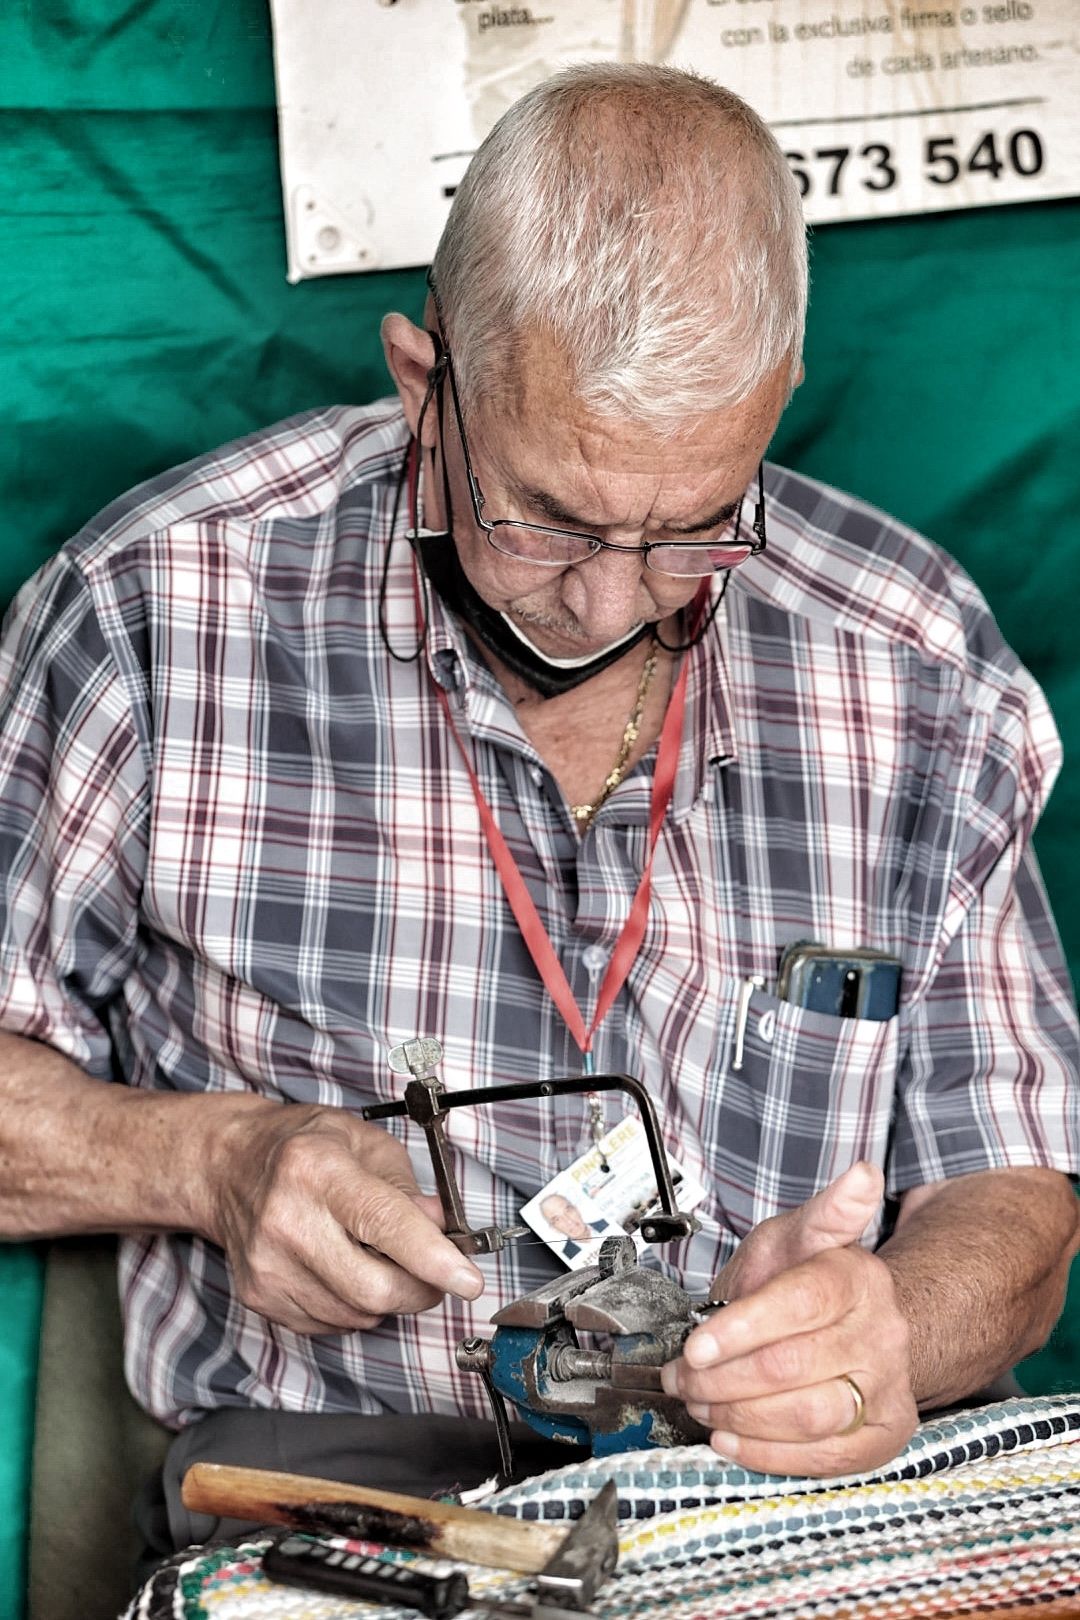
(444, 367)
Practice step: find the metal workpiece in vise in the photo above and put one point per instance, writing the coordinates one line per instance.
(609, 1398)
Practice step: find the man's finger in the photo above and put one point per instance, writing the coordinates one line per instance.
(328, 1283)
(391, 1222)
(791, 1361)
(312, 1311)
(802, 1300)
(797, 1416)
(871, 1447)
(304, 1302)
(365, 1280)
(840, 1213)
(431, 1205)
(834, 1218)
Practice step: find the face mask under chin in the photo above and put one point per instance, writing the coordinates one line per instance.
(548, 676)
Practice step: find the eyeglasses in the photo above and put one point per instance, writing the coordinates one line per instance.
(564, 548)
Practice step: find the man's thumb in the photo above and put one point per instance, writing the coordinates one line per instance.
(834, 1218)
(840, 1213)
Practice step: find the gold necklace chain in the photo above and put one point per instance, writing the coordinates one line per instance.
(583, 813)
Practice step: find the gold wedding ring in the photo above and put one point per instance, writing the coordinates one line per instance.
(859, 1416)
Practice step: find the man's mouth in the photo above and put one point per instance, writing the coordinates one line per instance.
(561, 640)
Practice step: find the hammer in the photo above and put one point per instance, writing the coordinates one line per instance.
(466, 1535)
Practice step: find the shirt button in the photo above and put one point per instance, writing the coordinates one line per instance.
(537, 775)
(595, 958)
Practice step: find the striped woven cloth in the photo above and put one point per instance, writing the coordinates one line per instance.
(980, 1511)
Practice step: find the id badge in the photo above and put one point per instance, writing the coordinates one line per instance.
(604, 1193)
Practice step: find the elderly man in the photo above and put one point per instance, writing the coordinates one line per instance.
(534, 712)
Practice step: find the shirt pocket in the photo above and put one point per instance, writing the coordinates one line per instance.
(813, 1094)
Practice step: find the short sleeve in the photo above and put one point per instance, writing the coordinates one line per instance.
(992, 1057)
(73, 819)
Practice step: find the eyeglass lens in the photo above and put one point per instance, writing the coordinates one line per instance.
(562, 549)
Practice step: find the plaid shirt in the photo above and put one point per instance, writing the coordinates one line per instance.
(240, 851)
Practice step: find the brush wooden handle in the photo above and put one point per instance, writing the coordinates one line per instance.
(466, 1534)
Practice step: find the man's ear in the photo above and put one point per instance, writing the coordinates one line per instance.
(410, 354)
(797, 378)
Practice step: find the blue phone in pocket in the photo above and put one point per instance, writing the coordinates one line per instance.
(857, 983)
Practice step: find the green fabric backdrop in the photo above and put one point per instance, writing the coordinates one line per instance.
(145, 317)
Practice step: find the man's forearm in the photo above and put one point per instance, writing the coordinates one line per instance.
(980, 1265)
(82, 1155)
(322, 1223)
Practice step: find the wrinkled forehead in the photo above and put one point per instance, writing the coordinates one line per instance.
(537, 433)
(530, 386)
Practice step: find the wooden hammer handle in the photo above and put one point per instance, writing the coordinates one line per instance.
(325, 1505)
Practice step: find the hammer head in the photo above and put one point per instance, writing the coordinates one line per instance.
(571, 1578)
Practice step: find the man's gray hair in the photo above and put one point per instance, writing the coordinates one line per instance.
(645, 221)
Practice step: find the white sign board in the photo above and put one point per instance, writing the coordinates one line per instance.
(883, 106)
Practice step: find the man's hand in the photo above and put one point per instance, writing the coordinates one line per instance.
(323, 1223)
(808, 1308)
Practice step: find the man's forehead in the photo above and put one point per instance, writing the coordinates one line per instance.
(581, 469)
(534, 417)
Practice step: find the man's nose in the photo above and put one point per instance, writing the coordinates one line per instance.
(609, 587)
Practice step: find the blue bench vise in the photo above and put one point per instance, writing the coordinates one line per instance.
(609, 1399)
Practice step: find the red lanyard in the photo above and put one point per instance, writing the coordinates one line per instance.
(528, 919)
